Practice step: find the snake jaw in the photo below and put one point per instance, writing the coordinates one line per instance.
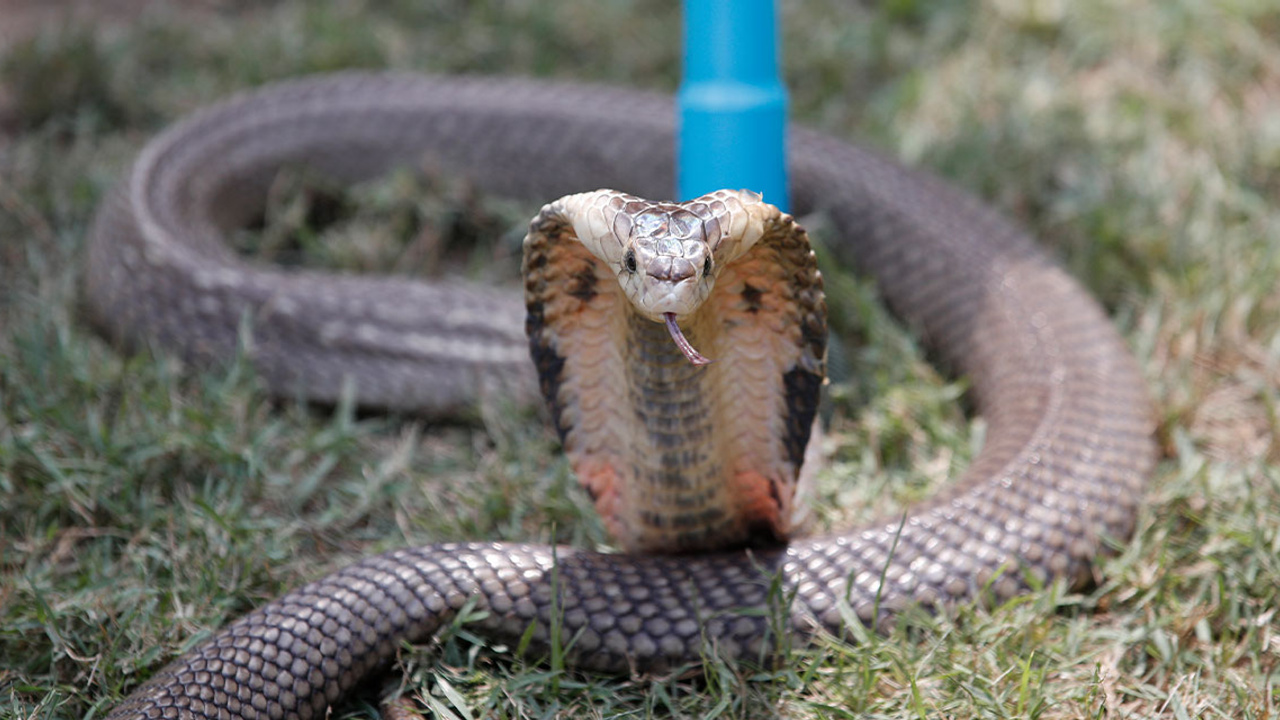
(695, 357)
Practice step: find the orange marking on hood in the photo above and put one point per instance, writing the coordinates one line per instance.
(763, 502)
(601, 481)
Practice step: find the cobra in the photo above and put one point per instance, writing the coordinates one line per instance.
(1069, 441)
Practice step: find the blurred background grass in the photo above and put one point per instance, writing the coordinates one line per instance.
(143, 506)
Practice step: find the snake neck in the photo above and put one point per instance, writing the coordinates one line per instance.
(687, 469)
(679, 498)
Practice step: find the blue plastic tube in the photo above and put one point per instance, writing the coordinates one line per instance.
(732, 103)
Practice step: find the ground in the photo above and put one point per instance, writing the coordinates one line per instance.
(144, 504)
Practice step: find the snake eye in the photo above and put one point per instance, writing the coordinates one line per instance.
(630, 261)
(706, 266)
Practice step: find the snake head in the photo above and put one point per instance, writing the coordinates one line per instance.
(665, 255)
(667, 268)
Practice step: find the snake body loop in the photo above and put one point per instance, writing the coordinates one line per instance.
(1069, 440)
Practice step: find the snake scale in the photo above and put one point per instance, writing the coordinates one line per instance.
(1069, 427)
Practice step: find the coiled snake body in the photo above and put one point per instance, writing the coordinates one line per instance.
(1069, 439)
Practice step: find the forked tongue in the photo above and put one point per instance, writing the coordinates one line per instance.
(682, 342)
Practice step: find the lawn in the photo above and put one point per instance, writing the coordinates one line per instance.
(144, 504)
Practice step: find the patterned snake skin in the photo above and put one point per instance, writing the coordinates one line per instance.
(680, 454)
(1069, 440)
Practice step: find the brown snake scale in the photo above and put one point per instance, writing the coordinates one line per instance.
(1069, 439)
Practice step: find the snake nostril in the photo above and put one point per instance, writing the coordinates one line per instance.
(671, 269)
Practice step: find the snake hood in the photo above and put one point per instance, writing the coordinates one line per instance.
(677, 457)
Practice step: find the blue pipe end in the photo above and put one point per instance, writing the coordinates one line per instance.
(732, 105)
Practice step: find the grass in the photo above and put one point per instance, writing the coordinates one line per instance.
(143, 505)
